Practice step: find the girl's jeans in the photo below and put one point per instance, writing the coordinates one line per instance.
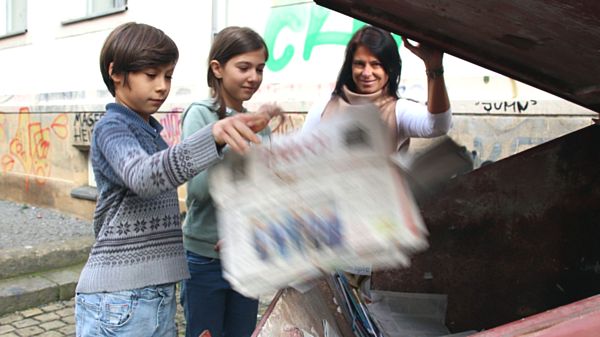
(143, 312)
(209, 302)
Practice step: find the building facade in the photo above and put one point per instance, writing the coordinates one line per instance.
(51, 90)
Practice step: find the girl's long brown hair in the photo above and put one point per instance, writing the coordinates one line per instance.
(228, 43)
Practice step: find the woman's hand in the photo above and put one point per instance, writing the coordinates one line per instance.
(431, 57)
(437, 95)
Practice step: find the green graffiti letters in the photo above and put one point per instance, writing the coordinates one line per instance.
(301, 18)
(280, 18)
(314, 36)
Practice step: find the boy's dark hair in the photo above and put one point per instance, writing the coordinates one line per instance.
(381, 43)
(132, 47)
(228, 43)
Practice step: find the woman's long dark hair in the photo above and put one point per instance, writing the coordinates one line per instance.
(228, 43)
(384, 47)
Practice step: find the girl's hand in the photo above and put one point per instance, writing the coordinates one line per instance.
(430, 56)
(236, 132)
(265, 113)
(218, 246)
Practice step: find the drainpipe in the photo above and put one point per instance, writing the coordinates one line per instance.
(219, 16)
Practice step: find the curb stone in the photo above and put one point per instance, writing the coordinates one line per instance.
(28, 291)
(47, 256)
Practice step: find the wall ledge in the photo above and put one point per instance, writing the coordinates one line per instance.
(85, 192)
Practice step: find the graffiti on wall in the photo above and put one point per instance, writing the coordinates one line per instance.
(290, 123)
(3, 129)
(30, 145)
(506, 106)
(83, 124)
(496, 150)
(311, 22)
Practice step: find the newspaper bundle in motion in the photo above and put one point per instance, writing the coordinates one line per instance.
(301, 204)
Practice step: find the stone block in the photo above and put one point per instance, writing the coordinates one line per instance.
(66, 280)
(26, 292)
(21, 261)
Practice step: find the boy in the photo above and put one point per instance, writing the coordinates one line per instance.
(127, 287)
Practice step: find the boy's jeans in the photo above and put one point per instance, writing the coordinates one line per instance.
(140, 312)
(210, 303)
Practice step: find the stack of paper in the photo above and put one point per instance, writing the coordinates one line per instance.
(302, 204)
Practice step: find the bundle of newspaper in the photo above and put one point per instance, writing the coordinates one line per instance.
(305, 203)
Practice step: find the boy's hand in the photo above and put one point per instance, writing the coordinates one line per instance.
(265, 113)
(235, 131)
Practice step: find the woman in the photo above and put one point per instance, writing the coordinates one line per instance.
(371, 74)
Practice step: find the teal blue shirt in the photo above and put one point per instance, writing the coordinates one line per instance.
(200, 225)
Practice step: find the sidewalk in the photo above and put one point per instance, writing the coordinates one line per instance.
(41, 255)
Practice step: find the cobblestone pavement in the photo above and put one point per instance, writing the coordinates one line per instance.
(55, 319)
(52, 320)
(58, 320)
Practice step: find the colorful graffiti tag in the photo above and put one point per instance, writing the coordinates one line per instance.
(30, 145)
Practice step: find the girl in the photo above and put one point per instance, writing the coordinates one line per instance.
(235, 70)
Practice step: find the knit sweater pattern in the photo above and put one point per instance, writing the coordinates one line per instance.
(136, 221)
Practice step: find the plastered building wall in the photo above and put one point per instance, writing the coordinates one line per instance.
(51, 90)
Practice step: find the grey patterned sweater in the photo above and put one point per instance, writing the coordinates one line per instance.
(136, 222)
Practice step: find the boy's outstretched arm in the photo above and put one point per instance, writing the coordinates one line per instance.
(121, 158)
